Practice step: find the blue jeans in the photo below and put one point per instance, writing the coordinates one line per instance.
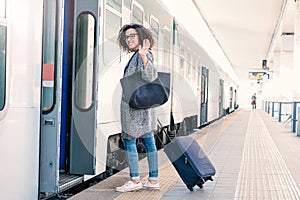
(132, 156)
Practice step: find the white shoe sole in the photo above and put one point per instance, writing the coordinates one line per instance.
(129, 190)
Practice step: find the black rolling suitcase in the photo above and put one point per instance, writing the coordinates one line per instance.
(190, 161)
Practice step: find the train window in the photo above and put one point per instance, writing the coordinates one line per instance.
(181, 63)
(112, 26)
(84, 66)
(48, 92)
(116, 4)
(194, 73)
(127, 3)
(188, 66)
(154, 27)
(166, 46)
(3, 33)
(199, 77)
(137, 15)
(203, 86)
(2, 8)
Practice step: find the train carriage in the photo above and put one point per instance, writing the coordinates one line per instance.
(60, 70)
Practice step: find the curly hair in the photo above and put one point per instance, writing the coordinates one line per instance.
(143, 33)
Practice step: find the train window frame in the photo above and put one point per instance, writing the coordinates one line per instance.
(199, 76)
(115, 5)
(202, 89)
(188, 64)
(206, 89)
(49, 56)
(134, 15)
(3, 8)
(127, 3)
(156, 35)
(182, 52)
(3, 69)
(85, 65)
(111, 50)
(195, 72)
(166, 47)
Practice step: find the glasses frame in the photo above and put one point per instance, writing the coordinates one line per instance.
(131, 36)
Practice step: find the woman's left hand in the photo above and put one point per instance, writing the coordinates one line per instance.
(143, 50)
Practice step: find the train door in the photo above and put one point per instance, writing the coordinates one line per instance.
(199, 93)
(50, 105)
(69, 91)
(235, 100)
(221, 98)
(83, 84)
(230, 98)
(204, 95)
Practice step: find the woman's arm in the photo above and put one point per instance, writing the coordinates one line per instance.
(149, 72)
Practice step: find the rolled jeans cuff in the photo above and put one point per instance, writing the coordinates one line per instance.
(153, 178)
(135, 178)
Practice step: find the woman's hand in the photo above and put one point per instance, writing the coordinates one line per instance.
(143, 50)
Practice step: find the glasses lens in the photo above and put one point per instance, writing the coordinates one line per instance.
(131, 36)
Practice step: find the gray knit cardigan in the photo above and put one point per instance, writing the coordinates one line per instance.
(136, 123)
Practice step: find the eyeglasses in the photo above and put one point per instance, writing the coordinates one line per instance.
(131, 36)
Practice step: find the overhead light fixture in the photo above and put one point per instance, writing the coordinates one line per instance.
(287, 33)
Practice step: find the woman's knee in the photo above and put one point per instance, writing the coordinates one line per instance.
(149, 143)
(130, 145)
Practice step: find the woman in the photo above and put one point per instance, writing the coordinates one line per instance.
(253, 101)
(139, 123)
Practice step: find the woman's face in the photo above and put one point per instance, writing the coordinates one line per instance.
(132, 39)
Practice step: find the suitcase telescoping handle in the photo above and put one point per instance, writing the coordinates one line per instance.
(169, 136)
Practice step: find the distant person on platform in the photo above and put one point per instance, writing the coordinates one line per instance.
(253, 102)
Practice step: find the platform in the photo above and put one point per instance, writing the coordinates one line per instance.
(256, 157)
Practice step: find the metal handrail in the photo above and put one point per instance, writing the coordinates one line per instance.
(293, 116)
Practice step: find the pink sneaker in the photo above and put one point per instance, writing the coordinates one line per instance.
(129, 186)
(148, 185)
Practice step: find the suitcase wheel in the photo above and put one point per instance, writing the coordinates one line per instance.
(200, 182)
(190, 188)
(209, 178)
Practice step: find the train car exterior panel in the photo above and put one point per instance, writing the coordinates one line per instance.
(19, 157)
(19, 135)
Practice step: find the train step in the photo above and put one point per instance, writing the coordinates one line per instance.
(67, 181)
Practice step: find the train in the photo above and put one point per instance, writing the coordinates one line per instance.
(60, 92)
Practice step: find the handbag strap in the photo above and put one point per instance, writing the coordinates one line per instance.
(129, 62)
(136, 65)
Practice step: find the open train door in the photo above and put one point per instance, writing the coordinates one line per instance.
(82, 113)
(84, 87)
(204, 95)
(51, 96)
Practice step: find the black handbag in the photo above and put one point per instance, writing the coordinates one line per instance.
(140, 94)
